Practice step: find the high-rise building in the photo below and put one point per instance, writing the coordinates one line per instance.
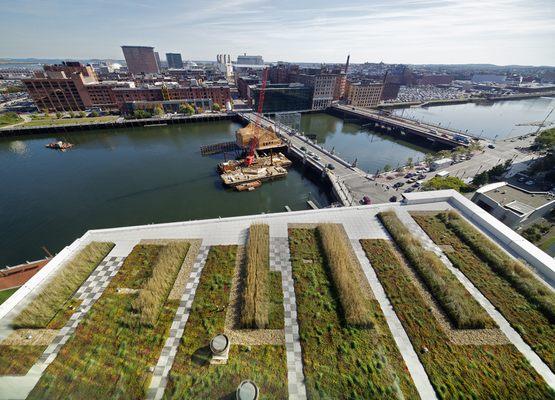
(174, 60)
(249, 60)
(158, 61)
(282, 97)
(140, 59)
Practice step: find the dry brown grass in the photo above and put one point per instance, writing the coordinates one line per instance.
(458, 304)
(342, 267)
(514, 271)
(254, 313)
(154, 293)
(62, 286)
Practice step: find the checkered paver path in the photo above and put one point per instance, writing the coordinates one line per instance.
(165, 361)
(280, 261)
(89, 293)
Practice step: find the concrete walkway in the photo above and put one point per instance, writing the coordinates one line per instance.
(280, 260)
(18, 387)
(536, 362)
(416, 370)
(159, 380)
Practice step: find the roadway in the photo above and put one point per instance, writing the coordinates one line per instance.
(427, 130)
(355, 183)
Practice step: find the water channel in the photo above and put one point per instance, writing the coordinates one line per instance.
(496, 120)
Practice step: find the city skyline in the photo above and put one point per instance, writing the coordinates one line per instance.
(501, 32)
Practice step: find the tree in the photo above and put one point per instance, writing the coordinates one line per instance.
(448, 182)
(141, 114)
(58, 115)
(546, 139)
(186, 109)
(158, 110)
(71, 114)
(410, 162)
(82, 114)
(429, 159)
(94, 114)
(387, 168)
(216, 107)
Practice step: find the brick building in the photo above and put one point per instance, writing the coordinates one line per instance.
(364, 94)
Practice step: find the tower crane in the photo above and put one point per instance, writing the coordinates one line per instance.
(257, 124)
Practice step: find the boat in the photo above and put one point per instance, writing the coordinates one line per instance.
(59, 145)
(250, 186)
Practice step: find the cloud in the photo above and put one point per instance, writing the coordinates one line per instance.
(417, 31)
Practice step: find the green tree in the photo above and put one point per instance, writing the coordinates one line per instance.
(158, 111)
(94, 114)
(216, 107)
(546, 139)
(448, 182)
(186, 109)
(410, 162)
(58, 115)
(141, 114)
(429, 159)
(71, 114)
(82, 114)
(387, 168)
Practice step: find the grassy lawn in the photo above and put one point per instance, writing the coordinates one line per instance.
(6, 293)
(340, 361)
(192, 376)
(461, 308)
(111, 351)
(455, 371)
(55, 295)
(275, 308)
(16, 360)
(9, 118)
(69, 121)
(524, 316)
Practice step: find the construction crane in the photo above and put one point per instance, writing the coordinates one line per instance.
(257, 122)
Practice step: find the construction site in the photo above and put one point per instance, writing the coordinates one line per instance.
(259, 154)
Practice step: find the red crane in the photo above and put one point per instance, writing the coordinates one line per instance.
(254, 141)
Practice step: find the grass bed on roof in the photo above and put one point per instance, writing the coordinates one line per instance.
(455, 371)
(63, 285)
(461, 308)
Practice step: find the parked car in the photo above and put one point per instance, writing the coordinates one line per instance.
(491, 146)
(398, 185)
(529, 183)
(366, 200)
(316, 157)
(521, 179)
(303, 148)
(330, 166)
(393, 199)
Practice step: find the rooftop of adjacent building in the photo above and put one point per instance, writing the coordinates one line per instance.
(516, 199)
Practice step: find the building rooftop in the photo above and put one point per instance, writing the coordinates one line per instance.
(338, 311)
(517, 199)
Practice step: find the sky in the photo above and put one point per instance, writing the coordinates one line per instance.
(499, 32)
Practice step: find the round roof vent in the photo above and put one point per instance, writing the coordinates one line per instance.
(219, 344)
(247, 390)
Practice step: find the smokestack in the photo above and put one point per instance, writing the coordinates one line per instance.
(347, 63)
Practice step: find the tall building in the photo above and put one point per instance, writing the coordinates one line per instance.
(249, 60)
(323, 85)
(364, 94)
(174, 60)
(158, 61)
(140, 59)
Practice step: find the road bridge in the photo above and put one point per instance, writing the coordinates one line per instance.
(392, 123)
(349, 184)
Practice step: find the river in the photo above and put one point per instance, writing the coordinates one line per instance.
(496, 120)
(124, 177)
